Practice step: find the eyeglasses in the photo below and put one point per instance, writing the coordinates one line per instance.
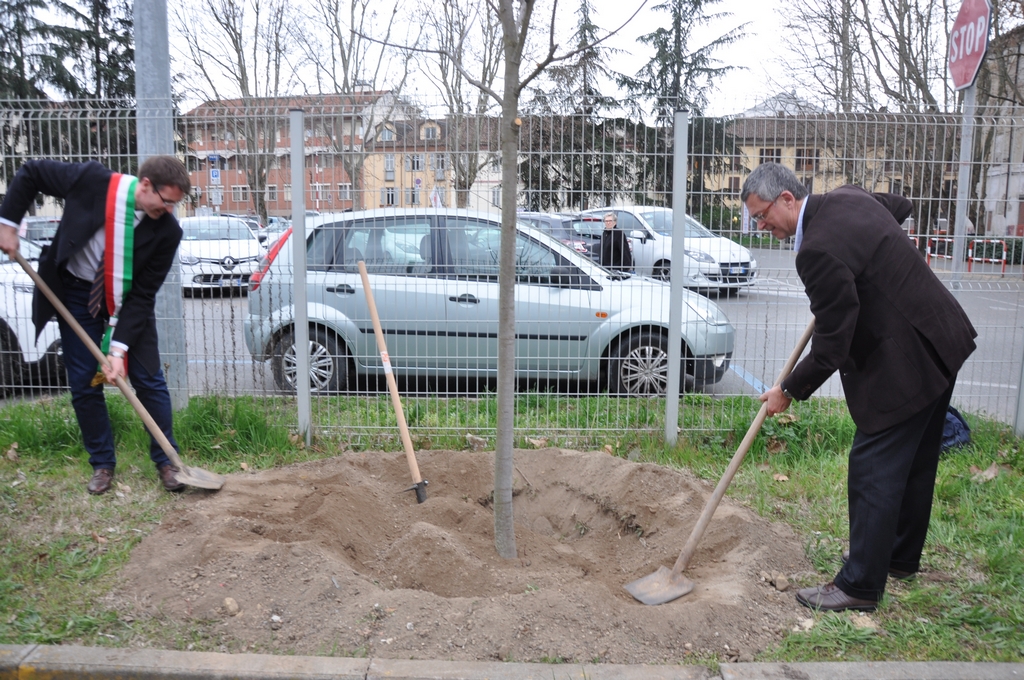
(759, 217)
(170, 205)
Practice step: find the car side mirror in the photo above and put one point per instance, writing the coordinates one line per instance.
(639, 235)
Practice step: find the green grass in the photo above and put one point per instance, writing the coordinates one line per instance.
(54, 574)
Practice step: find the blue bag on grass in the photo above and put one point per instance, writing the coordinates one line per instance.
(955, 432)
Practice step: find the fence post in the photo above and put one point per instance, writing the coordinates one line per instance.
(304, 402)
(155, 134)
(675, 312)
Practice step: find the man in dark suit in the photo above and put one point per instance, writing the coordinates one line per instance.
(110, 255)
(898, 339)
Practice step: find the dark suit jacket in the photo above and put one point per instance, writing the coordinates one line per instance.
(83, 187)
(882, 318)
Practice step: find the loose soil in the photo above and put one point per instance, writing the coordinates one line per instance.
(334, 557)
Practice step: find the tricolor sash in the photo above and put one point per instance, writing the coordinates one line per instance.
(119, 247)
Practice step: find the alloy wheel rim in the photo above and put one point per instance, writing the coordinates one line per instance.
(321, 367)
(645, 371)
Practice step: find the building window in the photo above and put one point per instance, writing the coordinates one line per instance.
(412, 196)
(414, 161)
(734, 185)
(345, 192)
(496, 196)
(387, 134)
(320, 192)
(287, 191)
(770, 155)
(388, 196)
(807, 160)
(808, 182)
(271, 194)
(438, 162)
(389, 167)
(429, 132)
(240, 193)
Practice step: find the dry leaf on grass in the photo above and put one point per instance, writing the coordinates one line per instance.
(538, 443)
(244, 466)
(609, 450)
(775, 445)
(863, 621)
(476, 443)
(764, 467)
(986, 475)
(12, 453)
(786, 419)
(99, 539)
(779, 477)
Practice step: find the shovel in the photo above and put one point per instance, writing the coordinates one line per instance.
(191, 476)
(666, 584)
(419, 485)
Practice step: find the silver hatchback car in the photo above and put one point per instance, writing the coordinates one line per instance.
(434, 274)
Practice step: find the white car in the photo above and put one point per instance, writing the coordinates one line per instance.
(24, 359)
(712, 262)
(217, 252)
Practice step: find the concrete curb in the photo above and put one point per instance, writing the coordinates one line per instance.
(36, 662)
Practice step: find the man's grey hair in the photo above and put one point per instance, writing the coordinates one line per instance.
(769, 180)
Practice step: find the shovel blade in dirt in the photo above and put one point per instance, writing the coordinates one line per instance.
(660, 587)
(199, 478)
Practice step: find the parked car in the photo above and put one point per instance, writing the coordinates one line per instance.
(712, 262)
(217, 252)
(439, 307)
(39, 229)
(559, 226)
(25, 360)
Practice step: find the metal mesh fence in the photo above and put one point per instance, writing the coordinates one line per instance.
(585, 335)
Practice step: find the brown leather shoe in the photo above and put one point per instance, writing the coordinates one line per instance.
(895, 573)
(169, 479)
(830, 599)
(101, 480)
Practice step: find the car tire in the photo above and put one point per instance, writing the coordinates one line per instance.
(662, 270)
(10, 360)
(328, 363)
(639, 366)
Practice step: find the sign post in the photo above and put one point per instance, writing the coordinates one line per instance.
(968, 42)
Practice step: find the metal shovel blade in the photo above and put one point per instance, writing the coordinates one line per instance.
(199, 478)
(659, 587)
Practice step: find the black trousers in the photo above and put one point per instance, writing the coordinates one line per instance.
(890, 484)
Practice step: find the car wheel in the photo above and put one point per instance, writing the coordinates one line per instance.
(639, 365)
(328, 364)
(662, 270)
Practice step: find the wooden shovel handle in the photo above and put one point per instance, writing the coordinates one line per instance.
(396, 400)
(709, 510)
(151, 425)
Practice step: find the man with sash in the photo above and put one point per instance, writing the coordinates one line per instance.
(114, 246)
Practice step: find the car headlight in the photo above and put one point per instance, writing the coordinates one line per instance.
(188, 258)
(708, 311)
(700, 256)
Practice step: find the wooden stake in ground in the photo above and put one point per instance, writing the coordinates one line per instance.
(418, 483)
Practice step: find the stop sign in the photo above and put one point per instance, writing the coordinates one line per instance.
(968, 42)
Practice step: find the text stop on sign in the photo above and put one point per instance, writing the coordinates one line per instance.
(968, 40)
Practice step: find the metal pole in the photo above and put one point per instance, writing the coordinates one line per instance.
(299, 276)
(155, 133)
(963, 185)
(1018, 420)
(675, 313)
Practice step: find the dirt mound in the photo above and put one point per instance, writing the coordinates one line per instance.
(333, 557)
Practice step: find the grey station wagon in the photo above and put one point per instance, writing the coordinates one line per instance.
(434, 275)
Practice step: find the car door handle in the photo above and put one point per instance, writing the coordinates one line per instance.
(465, 297)
(342, 290)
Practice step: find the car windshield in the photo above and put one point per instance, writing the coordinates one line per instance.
(661, 222)
(588, 226)
(215, 229)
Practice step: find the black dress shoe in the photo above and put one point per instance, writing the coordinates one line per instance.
(895, 573)
(829, 598)
(101, 481)
(169, 479)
